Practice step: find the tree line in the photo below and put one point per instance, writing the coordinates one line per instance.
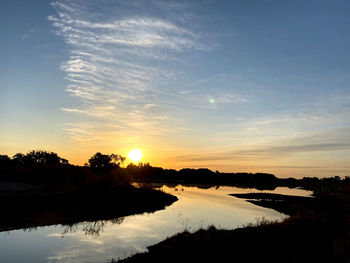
(43, 166)
(39, 158)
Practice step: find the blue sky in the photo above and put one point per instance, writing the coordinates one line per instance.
(229, 85)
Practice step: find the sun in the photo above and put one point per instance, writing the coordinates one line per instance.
(135, 155)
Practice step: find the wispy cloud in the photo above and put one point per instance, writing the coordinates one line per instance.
(28, 34)
(320, 141)
(117, 66)
(308, 155)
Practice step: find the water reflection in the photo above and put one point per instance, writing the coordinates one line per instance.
(93, 229)
(197, 207)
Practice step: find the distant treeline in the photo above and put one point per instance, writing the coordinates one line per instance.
(145, 172)
(47, 167)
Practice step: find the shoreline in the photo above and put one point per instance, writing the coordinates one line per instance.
(21, 210)
(317, 230)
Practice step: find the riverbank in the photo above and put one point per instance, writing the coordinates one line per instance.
(318, 230)
(40, 206)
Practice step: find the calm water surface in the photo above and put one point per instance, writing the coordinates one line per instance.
(102, 240)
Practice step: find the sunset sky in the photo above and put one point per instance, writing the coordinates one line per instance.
(256, 86)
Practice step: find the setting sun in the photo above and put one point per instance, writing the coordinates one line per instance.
(135, 155)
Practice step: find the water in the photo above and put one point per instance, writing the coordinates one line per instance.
(102, 240)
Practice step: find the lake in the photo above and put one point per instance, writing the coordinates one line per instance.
(197, 207)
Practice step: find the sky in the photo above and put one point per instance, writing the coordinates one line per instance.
(255, 86)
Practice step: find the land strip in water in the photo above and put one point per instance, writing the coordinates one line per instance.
(42, 207)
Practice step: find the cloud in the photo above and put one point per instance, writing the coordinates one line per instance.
(117, 69)
(149, 105)
(28, 34)
(320, 141)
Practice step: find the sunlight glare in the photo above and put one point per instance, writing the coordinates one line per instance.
(135, 155)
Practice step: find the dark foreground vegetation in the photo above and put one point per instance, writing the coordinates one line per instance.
(318, 230)
(40, 188)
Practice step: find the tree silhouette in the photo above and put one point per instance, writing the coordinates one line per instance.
(117, 159)
(103, 162)
(19, 158)
(5, 160)
(39, 158)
